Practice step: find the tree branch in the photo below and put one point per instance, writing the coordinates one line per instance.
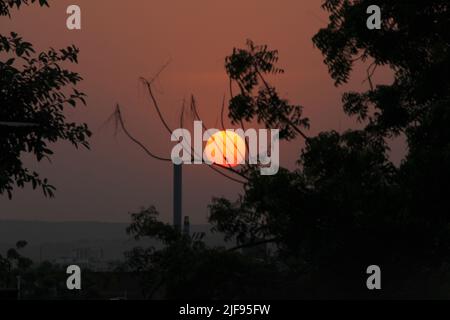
(222, 111)
(119, 118)
(155, 103)
(197, 116)
(300, 132)
(370, 74)
(148, 85)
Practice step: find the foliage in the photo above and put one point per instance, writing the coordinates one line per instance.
(182, 266)
(13, 264)
(35, 91)
(347, 206)
(257, 99)
(413, 43)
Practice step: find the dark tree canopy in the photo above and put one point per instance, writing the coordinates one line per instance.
(35, 90)
(257, 99)
(414, 43)
(347, 206)
(344, 207)
(186, 268)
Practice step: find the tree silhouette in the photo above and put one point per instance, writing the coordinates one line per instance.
(347, 206)
(35, 90)
(13, 264)
(185, 267)
(247, 68)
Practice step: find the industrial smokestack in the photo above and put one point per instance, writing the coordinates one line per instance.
(177, 195)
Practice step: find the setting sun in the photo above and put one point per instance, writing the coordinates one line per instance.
(226, 148)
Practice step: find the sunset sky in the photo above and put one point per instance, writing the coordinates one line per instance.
(123, 40)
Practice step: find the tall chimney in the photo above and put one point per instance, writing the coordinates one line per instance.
(177, 195)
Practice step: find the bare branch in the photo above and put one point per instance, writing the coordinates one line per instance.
(370, 74)
(197, 116)
(119, 118)
(112, 117)
(148, 84)
(156, 76)
(182, 114)
(285, 118)
(241, 122)
(362, 57)
(215, 168)
(222, 121)
(195, 153)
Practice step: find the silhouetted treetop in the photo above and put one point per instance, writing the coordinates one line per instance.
(35, 89)
(414, 43)
(257, 99)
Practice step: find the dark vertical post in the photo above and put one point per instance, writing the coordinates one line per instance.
(177, 195)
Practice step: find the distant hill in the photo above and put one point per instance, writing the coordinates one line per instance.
(53, 240)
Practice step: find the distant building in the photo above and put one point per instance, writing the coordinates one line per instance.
(90, 258)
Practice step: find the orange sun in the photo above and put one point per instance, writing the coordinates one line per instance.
(225, 148)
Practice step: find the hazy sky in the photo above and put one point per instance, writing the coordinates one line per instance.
(123, 40)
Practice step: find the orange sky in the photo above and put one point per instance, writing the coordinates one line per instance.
(123, 40)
